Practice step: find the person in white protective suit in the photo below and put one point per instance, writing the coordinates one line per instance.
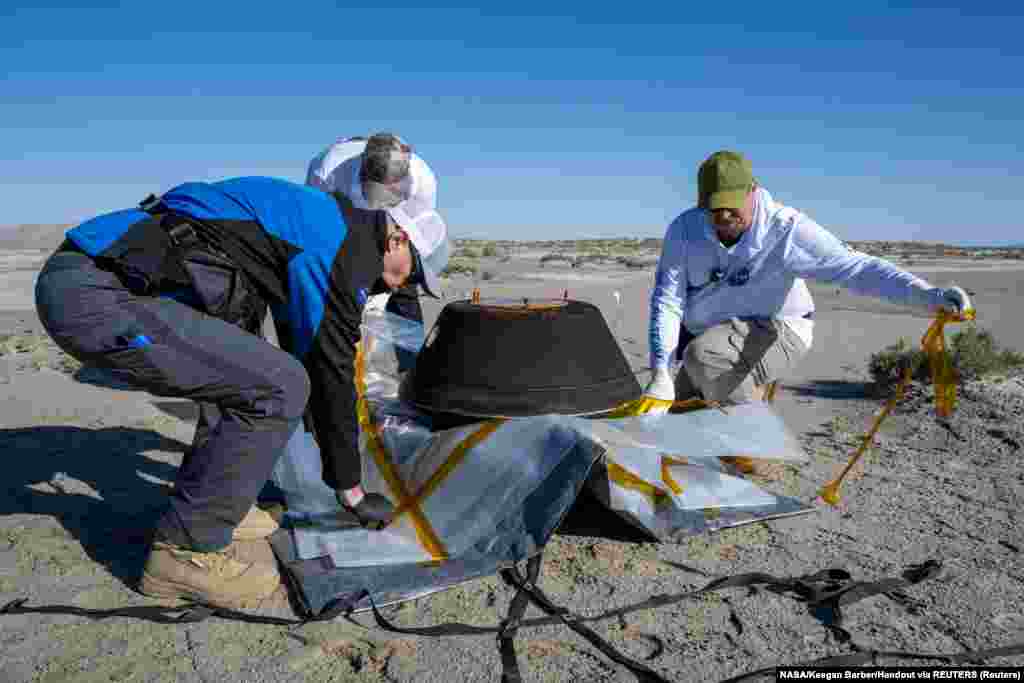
(730, 299)
(341, 167)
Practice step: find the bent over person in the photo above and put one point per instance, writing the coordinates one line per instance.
(730, 299)
(169, 295)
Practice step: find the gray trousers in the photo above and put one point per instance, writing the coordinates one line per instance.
(727, 361)
(170, 349)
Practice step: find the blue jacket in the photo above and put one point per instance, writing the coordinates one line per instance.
(316, 260)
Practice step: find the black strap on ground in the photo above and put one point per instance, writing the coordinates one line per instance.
(185, 614)
(188, 614)
(526, 592)
(824, 592)
(507, 630)
(527, 586)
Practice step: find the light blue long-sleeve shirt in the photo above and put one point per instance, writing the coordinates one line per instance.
(701, 283)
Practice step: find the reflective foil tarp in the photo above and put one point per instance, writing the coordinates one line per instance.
(478, 497)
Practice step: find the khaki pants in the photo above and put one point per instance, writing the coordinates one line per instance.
(729, 360)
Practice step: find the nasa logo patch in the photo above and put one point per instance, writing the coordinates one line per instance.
(740, 277)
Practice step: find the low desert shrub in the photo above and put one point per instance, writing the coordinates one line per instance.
(491, 251)
(972, 352)
(631, 262)
(458, 268)
(888, 365)
(11, 344)
(976, 354)
(467, 252)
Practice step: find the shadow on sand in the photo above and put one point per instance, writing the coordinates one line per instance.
(834, 389)
(102, 377)
(186, 411)
(589, 517)
(42, 463)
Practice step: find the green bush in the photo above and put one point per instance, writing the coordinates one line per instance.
(887, 366)
(972, 352)
(458, 267)
(491, 251)
(467, 252)
(976, 354)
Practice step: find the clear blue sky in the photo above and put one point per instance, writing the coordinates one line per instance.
(542, 120)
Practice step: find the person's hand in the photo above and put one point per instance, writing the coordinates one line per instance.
(371, 510)
(662, 388)
(956, 301)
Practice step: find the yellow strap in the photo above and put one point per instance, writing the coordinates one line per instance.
(454, 458)
(644, 405)
(943, 378)
(830, 492)
(628, 480)
(666, 474)
(424, 531)
(943, 375)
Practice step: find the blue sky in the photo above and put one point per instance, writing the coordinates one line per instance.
(541, 120)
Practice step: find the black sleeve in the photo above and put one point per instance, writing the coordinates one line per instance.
(330, 358)
(332, 400)
(405, 302)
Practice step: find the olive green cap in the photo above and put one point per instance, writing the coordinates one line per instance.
(724, 180)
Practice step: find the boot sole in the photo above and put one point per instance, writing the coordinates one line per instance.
(168, 590)
(252, 534)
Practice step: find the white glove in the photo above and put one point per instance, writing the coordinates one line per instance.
(661, 387)
(377, 303)
(955, 300)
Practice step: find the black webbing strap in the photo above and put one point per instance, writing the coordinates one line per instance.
(507, 630)
(178, 227)
(186, 232)
(513, 577)
(186, 614)
(526, 592)
(824, 592)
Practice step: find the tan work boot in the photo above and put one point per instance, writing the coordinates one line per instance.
(216, 578)
(257, 524)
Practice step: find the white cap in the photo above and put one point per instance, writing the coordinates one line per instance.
(431, 246)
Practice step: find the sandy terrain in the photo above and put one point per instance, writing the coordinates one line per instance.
(87, 466)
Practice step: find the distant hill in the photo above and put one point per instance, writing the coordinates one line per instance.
(32, 235)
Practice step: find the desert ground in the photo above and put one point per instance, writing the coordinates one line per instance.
(87, 464)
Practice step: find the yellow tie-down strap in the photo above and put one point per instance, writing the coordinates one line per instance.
(411, 503)
(657, 495)
(645, 404)
(451, 462)
(425, 533)
(943, 376)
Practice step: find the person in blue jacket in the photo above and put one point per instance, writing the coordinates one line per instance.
(173, 294)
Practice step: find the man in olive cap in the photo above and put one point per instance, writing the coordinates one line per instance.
(729, 297)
